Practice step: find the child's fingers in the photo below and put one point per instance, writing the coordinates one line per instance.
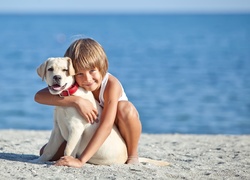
(91, 117)
(96, 112)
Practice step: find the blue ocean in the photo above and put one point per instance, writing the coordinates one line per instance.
(184, 73)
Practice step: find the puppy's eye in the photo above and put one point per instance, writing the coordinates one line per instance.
(65, 70)
(51, 69)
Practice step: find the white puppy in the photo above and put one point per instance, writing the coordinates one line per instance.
(69, 125)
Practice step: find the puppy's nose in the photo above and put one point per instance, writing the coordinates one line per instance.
(57, 78)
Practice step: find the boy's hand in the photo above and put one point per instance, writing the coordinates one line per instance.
(86, 110)
(69, 161)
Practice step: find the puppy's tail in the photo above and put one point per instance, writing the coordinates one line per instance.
(154, 162)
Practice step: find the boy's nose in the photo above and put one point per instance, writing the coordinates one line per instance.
(87, 77)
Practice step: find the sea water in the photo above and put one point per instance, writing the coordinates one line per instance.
(184, 73)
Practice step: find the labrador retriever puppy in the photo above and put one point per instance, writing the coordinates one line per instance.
(69, 125)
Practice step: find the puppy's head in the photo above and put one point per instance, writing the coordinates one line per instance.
(58, 74)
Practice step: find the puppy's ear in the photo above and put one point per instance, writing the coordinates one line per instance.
(41, 70)
(71, 69)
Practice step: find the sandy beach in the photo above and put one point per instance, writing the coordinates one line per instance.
(190, 157)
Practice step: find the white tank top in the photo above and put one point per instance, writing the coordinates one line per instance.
(103, 87)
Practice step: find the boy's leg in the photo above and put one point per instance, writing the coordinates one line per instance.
(129, 125)
(59, 153)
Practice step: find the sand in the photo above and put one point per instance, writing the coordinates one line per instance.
(190, 157)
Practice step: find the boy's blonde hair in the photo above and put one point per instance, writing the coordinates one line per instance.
(87, 54)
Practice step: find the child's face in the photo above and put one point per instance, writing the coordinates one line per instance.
(90, 80)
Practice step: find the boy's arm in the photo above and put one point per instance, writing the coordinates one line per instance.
(111, 95)
(45, 97)
(84, 107)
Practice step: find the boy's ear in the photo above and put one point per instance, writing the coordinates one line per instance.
(41, 70)
(70, 67)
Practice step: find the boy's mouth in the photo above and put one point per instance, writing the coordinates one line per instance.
(88, 84)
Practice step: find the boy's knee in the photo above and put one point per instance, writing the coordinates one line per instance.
(126, 111)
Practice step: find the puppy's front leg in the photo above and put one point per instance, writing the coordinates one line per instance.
(53, 145)
(75, 135)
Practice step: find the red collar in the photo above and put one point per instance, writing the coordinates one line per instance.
(70, 91)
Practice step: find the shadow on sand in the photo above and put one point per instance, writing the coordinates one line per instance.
(18, 157)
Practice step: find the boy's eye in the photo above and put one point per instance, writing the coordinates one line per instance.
(78, 74)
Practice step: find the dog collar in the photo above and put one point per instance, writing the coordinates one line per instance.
(69, 91)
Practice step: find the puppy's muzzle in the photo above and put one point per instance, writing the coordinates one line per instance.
(57, 79)
(57, 86)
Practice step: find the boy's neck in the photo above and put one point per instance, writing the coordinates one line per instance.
(96, 94)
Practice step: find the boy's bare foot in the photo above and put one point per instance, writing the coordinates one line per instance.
(133, 160)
